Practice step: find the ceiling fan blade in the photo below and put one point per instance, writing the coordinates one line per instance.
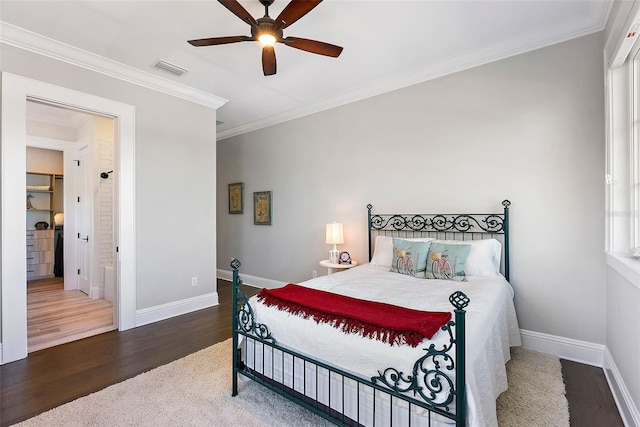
(237, 9)
(268, 60)
(313, 46)
(295, 10)
(219, 40)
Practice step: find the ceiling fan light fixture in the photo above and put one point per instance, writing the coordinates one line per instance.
(267, 39)
(268, 31)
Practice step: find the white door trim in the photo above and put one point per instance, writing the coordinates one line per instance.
(15, 92)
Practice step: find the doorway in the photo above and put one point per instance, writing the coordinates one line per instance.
(16, 91)
(72, 297)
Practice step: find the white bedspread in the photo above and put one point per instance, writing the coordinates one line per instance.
(491, 329)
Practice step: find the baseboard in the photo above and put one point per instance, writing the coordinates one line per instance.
(166, 311)
(626, 406)
(565, 348)
(0, 353)
(255, 281)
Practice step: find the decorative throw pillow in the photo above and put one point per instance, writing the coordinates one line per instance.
(409, 257)
(484, 256)
(446, 261)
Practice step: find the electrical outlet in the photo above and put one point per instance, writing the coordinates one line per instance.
(314, 273)
(194, 281)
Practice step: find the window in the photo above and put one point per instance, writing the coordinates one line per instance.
(623, 154)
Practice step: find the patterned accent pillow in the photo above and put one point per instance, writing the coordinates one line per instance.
(409, 257)
(446, 261)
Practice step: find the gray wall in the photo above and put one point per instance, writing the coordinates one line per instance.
(175, 178)
(529, 128)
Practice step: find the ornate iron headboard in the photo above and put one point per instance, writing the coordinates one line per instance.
(444, 226)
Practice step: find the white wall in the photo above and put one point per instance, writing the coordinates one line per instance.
(175, 175)
(529, 128)
(49, 130)
(623, 343)
(42, 160)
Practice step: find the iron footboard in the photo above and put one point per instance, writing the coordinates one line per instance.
(434, 388)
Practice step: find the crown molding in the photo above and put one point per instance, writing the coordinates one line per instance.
(45, 46)
(515, 46)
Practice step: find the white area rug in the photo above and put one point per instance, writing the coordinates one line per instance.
(196, 391)
(536, 394)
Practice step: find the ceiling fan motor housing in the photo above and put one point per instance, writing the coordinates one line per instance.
(266, 25)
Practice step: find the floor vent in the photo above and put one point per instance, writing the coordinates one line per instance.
(172, 68)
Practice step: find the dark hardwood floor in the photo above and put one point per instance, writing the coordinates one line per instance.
(51, 377)
(589, 396)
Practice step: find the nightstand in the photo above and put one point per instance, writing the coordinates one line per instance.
(334, 265)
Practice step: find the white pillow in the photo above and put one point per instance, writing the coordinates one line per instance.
(383, 249)
(484, 256)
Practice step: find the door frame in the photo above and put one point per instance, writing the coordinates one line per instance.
(13, 295)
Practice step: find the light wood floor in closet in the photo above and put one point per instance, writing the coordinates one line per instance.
(56, 316)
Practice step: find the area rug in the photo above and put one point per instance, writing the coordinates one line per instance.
(195, 391)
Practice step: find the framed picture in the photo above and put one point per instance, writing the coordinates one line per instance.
(262, 208)
(236, 196)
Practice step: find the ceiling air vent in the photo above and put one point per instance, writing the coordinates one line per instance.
(172, 68)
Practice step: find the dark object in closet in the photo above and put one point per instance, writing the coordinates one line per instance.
(58, 266)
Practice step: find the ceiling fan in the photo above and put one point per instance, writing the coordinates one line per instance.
(268, 31)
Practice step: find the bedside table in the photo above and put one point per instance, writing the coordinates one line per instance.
(334, 265)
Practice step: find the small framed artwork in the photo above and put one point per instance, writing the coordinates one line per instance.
(262, 208)
(236, 197)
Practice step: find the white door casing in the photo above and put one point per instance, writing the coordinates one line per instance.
(15, 92)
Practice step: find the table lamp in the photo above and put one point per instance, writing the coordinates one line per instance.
(334, 237)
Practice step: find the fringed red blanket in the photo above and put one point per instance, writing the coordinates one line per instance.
(385, 322)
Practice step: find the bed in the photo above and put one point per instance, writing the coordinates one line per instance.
(432, 263)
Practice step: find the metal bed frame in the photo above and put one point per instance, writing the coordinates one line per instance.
(430, 384)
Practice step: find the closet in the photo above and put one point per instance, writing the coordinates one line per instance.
(44, 214)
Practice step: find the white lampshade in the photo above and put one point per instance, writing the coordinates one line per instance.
(334, 234)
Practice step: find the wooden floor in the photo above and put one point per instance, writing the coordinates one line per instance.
(56, 316)
(589, 396)
(51, 377)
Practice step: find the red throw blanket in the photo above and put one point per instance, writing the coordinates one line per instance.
(385, 322)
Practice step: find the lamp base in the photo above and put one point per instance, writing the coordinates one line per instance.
(334, 254)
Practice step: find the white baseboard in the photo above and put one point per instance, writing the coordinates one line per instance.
(0, 353)
(626, 406)
(255, 281)
(565, 348)
(165, 311)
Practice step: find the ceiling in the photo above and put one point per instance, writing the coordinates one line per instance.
(387, 45)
